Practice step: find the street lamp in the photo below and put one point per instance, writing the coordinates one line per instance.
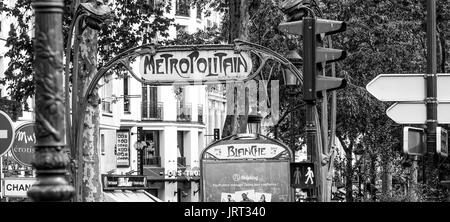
(49, 159)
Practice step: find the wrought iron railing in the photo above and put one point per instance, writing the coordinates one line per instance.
(152, 111)
(184, 112)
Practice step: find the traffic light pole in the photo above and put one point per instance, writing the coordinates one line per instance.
(431, 90)
(309, 93)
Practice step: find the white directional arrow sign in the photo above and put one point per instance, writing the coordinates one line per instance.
(407, 87)
(416, 113)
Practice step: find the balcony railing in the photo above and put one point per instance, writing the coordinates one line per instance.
(200, 113)
(181, 161)
(152, 111)
(152, 161)
(184, 112)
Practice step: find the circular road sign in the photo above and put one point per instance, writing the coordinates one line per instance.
(24, 142)
(6, 132)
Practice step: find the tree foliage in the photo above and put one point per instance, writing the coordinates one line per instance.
(135, 22)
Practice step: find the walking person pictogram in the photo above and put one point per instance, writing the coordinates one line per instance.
(309, 176)
(297, 175)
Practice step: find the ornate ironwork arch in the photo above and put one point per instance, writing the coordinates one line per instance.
(261, 54)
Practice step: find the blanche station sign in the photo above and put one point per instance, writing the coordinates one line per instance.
(246, 151)
(194, 64)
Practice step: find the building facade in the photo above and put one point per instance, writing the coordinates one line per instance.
(160, 130)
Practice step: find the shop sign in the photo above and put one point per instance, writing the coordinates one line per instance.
(246, 151)
(23, 145)
(121, 182)
(123, 148)
(17, 187)
(184, 173)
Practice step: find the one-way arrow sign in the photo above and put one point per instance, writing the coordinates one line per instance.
(415, 113)
(407, 87)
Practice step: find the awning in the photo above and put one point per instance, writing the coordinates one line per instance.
(129, 196)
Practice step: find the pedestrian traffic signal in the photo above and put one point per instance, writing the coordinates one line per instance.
(441, 141)
(302, 175)
(414, 141)
(314, 57)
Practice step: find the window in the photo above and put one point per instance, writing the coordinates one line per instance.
(106, 95)
(199, 11)
(151, 148)
(126, 99)
(200, 113)
(102, 144)
(182, 8)
(181, 160)
(151, 108)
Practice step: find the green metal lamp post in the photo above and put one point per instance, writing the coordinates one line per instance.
(50, 160)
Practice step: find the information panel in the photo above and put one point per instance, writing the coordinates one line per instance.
(123, 148)
(244, 181)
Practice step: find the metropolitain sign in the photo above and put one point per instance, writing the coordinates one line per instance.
(206, 64)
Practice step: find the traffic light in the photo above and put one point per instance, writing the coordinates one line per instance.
(315, 57)
(216, 134)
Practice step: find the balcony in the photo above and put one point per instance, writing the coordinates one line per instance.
(152, 161)
(200, 113)
(184, 112)
(152, 111)
(181, 161)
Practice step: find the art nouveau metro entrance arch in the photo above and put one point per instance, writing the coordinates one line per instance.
(192, 65)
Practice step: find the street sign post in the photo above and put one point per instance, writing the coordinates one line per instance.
(407, 87)
(414, 141)
(6, 132)
(441, 141)
(415, 112)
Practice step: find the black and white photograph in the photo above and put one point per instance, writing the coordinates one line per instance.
(194, 101)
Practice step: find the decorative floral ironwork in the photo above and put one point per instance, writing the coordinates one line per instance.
(50, 111)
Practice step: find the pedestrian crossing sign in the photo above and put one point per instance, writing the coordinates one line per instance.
(303, 175)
